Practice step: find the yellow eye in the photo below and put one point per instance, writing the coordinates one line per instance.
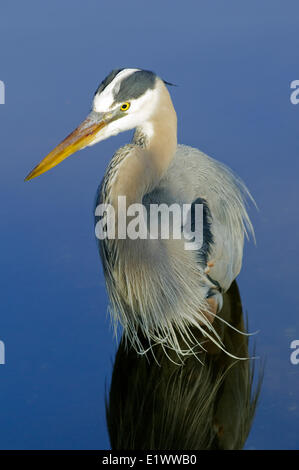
(125, 106)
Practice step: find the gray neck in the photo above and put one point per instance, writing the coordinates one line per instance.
(154, 146)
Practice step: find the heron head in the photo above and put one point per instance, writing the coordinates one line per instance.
(124, 100)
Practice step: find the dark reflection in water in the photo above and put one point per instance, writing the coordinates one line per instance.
(155, 403)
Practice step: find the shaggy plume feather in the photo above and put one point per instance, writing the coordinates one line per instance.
(158, 287)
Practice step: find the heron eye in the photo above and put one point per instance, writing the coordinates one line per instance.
(125, 106)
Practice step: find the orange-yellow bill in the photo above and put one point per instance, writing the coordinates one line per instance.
(78, 139)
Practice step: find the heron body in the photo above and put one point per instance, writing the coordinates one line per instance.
(156, 286)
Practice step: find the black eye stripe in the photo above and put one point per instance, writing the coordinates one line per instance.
(135, 85)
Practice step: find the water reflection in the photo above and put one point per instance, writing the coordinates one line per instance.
(156, 404)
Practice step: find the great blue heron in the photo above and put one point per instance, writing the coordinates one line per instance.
(155, 285)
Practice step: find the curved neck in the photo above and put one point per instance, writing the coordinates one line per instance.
(154, 146)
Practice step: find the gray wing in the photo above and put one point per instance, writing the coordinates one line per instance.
(194, 177)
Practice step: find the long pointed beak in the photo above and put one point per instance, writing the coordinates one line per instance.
(77, 140)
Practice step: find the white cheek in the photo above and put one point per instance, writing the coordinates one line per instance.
(138, 115)
(112, 129)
